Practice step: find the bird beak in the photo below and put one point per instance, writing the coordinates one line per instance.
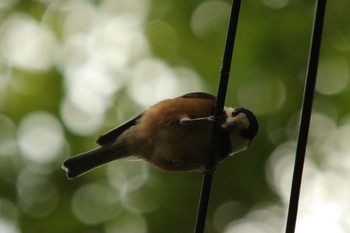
(228, 124)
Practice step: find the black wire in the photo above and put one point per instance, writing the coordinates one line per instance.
(306, 114)
(219, 106)
(227, 58)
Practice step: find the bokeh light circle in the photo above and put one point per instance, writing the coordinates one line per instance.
(159, 81)
(37, 43)
(333, 77)
(40, 137)
(38, 196)
(8, 216)
(207, 18)
(128, 222)
(95, 203)
(78, 121)
(265, 95)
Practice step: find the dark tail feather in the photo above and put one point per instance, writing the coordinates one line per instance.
(80, 164)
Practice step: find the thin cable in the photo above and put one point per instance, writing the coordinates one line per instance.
(219, 106)
(306, 114)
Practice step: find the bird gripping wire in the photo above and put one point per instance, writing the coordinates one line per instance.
(219, 106)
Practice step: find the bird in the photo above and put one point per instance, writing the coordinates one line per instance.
(173, 135)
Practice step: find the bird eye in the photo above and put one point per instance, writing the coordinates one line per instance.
(235, 112)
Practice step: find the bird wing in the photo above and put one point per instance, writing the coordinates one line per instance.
(112, 135)
(200, 95)
(195, 95)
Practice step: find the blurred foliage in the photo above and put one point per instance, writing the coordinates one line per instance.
(183, 37)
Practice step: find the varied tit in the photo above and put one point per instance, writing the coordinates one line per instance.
(173, 135)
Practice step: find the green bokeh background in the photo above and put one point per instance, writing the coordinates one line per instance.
(268, 74)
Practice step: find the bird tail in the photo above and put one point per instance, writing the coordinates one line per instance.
(82, 163)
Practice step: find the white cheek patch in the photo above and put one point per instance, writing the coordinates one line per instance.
(228, 111)
(230, 119)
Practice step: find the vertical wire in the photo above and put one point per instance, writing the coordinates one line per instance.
(306, 114)
(219, 106)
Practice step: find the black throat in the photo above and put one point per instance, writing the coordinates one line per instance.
(225, 144)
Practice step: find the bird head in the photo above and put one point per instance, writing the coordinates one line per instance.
(243, 127)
